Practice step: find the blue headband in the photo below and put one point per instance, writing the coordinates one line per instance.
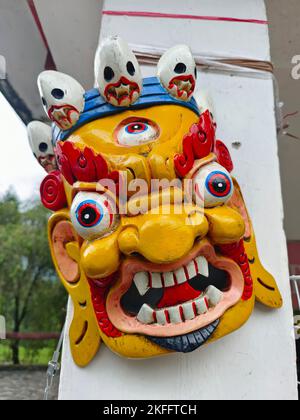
(96, 107)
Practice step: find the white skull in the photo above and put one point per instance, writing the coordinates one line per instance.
(62, 97)
(40, 136)
(117, 72)
(177, 72)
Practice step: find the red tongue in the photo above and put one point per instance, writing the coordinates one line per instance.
(178, 294)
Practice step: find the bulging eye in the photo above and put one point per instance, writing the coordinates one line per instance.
(213, 185)
(136, 132)
(93, 215)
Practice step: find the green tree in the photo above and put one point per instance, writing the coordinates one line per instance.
(31, 297)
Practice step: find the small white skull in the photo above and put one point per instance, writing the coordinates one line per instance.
(62, 97)
(177, 72)
(40, 136)
(117, 72)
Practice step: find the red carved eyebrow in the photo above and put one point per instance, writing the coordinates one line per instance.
(199, 143)
(82, 165)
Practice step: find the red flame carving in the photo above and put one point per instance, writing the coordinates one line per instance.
(199, 143)
(83, 165)
(223, 156)
(78, 165)
(52, 190)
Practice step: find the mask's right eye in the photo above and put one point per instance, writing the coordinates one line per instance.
(93, 215)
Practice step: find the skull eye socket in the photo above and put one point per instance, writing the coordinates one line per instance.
(180, 68)
(196, 73)
(130, 68)
(109, 74)
(58, 94)
(43, 147)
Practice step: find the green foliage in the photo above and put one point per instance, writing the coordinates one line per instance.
(31, 297)
(39, 354)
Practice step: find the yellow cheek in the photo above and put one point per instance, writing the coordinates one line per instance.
(225, 225)
(101, 258)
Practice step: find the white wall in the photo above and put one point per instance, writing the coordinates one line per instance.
(285, 43)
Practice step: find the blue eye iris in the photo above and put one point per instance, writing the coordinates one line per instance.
(136, 128)
(89, 214)
(219, 184)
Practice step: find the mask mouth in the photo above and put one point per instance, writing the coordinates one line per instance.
(122, 93)
(64, 115)
(182, 86)
(175, 299)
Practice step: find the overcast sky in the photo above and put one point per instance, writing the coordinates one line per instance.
(18, 167)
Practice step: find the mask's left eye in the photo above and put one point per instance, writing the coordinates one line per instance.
(213, 185)
(136, 132)
(93, 215)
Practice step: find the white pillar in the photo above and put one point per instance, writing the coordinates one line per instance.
(258, 361)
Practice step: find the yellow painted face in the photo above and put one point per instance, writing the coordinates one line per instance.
(168, 279)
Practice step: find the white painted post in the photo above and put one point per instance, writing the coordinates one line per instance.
(258, 361)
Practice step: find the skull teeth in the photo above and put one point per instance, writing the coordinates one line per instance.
(181, 313)
(122, 94)
(184, 85)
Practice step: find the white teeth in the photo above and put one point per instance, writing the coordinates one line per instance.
(201, 306)
(156, 281)
(141, 281)
(169, 280)
(202, 266)
(180, 276)
(144, 281)
(188, 311)
(214, 295)
(181, 313)
(191, 268)
(145, 316)
(175, 317)
(161, 317)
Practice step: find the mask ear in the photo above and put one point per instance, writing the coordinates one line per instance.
(84, 333)
(265, 287)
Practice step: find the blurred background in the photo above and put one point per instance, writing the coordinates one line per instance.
(34, 36)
